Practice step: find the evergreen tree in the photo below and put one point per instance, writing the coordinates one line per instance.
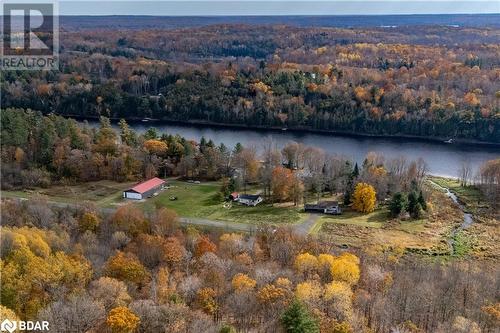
(237, 148)
(151, 134)
(421, 200)
(297, 319)
(355, 172)
(414, 207)
(398, 204)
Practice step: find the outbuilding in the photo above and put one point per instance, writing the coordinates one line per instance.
(145, 189)
(249, 199)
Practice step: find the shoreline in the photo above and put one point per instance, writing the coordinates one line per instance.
(305, 130)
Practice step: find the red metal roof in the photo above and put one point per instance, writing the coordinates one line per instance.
(147, 185)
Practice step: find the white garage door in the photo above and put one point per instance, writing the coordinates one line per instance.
(133, 195)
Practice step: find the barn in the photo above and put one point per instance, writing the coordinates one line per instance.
(145, 189)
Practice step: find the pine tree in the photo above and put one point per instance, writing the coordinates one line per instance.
(414, 207)
(297, 319)
(421, 200)
(398, 204)
(355, 172)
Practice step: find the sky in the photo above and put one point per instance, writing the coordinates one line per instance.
(274, 7)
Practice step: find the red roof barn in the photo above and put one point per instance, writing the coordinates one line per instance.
(145, 189)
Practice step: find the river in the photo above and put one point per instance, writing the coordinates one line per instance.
(443, 159)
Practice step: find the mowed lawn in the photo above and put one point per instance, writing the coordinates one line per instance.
(376, 219)
(202, 201)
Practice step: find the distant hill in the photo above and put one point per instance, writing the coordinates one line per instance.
(345, 21)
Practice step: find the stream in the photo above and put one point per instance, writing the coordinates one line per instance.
(468, 220)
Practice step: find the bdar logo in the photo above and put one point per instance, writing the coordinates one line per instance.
(8, 326)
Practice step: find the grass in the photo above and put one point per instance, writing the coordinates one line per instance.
(462, 244)
(202, 201)
(375, 219)
(104, 193)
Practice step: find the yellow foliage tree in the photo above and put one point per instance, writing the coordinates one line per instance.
(364, 198)
(242, 282)
(205, 298)
(270, 294)
(122, 320)
(306, 263)
(308, 291)
(345, 269)
(30, 270)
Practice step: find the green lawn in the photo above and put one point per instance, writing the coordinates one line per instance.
(201, 201)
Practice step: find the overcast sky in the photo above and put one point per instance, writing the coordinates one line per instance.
(274, 7)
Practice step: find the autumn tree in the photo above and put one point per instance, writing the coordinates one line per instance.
(122, 320)
(345, 268)
(364, 198)
(110, 292)
(165, 222)
(130, 219)
(156, 147)
(306, 263)
(126, 267)
(89, 221)
(243, 283)
(280, 183)
(204, 245)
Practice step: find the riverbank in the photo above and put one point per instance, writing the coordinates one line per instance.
(299, 130)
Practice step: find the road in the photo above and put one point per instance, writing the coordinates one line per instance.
(301, 228)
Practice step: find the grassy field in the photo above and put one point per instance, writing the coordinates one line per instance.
(202, 201)
(104, 193)
(470, 196)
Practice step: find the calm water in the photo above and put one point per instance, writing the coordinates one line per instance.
(443, 159)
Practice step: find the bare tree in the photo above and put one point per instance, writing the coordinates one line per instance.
(465, 173)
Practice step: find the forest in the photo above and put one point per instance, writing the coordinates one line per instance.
(427, 81)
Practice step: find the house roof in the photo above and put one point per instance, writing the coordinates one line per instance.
(147, 185)
(249, 196)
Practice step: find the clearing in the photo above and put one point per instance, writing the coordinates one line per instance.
(202, 201)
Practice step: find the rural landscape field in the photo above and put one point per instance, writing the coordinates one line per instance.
(297, 174)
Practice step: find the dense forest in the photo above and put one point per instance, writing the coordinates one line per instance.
(429, 81)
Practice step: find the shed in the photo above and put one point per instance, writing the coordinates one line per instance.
(145, 189)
